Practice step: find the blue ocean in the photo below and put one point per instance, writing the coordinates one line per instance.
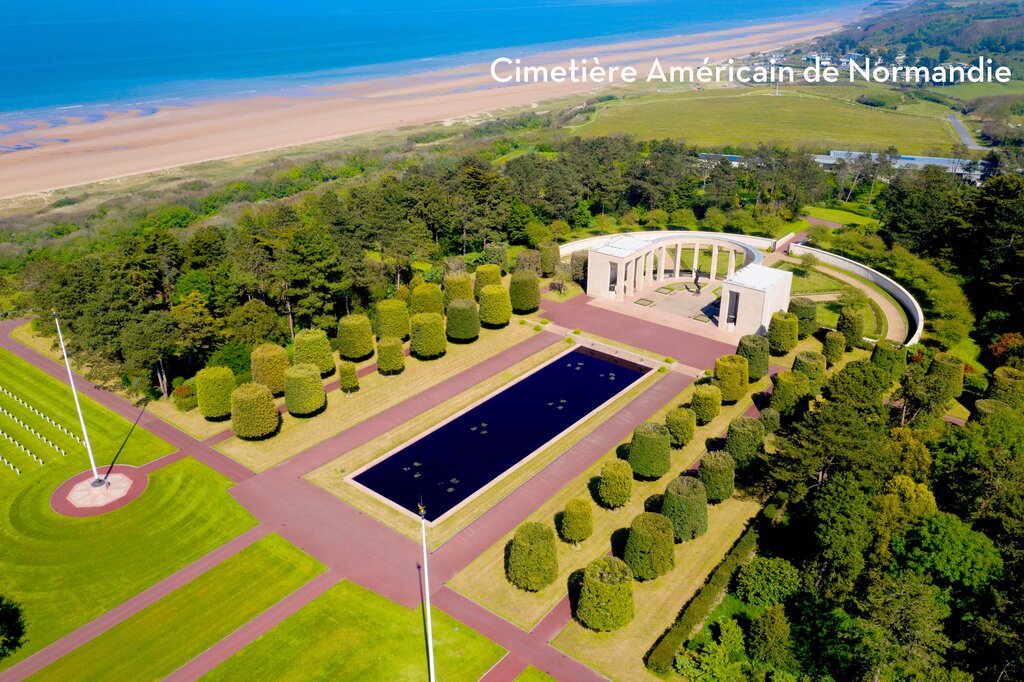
(64, 53)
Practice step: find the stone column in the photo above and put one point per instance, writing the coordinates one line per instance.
(732, 262)
(696, 257)
(679, 253)
(661, 264)
(714, 262)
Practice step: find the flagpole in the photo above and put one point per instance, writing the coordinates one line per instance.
(426, 594)
(97, 481)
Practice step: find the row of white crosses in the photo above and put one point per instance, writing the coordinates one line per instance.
(39, 414)
(11, 466)
(33, 432)
(21, 447)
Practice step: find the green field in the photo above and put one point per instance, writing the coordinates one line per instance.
(161, 638)
(531, 674)
(971, 90)
(349, 633)
(750, 116)
(836, 215)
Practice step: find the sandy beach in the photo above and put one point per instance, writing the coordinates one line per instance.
(128, 143)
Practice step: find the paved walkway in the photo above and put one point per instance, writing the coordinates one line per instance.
(965, 135)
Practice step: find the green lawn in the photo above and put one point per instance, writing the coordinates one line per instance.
(349, 633)
(531, 674)
(161, 638)
(749, 116)
(836, 215)
(811, 281)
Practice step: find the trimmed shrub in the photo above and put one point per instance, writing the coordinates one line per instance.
(213, 392)
(770, 419)
(427, 298)
(685, 505)
(706, 403)
(766, 581)
(463, 321)
(851, 326)
(269, 362)
(495, 306)
(524, 292)
(812, 364)
(755, 349)
(185, 398)
(783, 333)
(496, 253)
(649, 549)
(577, 522)
(427, 338)
(834, 347)
(790, 390)
(606, 598)
(528, 260)
(532, 559)
(982, 408)
(681, 423)
(744, 441)
(485, 276)
(348, 380)
(550, 259)
(650, 451)
(1007, 385)
(731, 376)
(390, 356)
(457, 285)
(890, 356)
(312, 346)
(718, 474)
(615, 485)
(951, 370)
(253, 412)
(392, 319)
(303, 391)
(578, 267)
(806, 312)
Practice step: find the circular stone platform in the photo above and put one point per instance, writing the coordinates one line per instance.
(78, 497)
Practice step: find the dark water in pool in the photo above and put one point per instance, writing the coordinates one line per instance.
(448, 465)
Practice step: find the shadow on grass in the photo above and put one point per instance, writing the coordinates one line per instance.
(117, 455)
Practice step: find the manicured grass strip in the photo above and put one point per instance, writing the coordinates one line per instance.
(65, 572)
(812, 281)
(836, 215)
(349, 633)
(531, 674)
(161, 638)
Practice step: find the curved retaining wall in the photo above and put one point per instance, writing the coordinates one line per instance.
(914, 313)
(751, 245)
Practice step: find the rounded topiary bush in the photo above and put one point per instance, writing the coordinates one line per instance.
(649, 551)
(213, 392)
(834, 347)
(577, 520)
(497, 253)
(269, 362)
(791, 388)
(524, 292)
(812, 365)
(650, 451)
(463, 321)
(532, 558)
(744, 441)
(312, 347)
(392, 319)
(851, 326)
(253, 412)
(949, 369)
(550, 259)
(390, 356)
(1007, 385)
(731, 377)
(718, 474)
(987, 407)
(685, 505)
(457, 285)
(348, 380)
(495, 306)
(806, 312)
(528, 260)
(891, 357)
(615, 484)
(606, 597)
(185, 398)
(770, 419)
(681, 423)
(427, 298)
(706, 403)
(783, 333)
(303, 391)
(755, 349)
(486, 275)
(427, 339)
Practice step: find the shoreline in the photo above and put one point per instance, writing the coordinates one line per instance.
(79, 152)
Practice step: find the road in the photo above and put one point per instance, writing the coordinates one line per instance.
(965, 136)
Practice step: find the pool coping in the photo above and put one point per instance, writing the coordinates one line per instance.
(646, 366)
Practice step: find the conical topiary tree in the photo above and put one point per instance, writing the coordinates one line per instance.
(269, 362)
(253, 412)
(718, 474)
(834, 347)
(783, 333)
(312, 347)
(532, 558)
(755, 349)
(495, 306)
(791, 388)
(392, 319)
(681, 423)
(550, 259)
(731, 377)
(577, 520)
(427, 340)
(348, 379)
(458, 285)
(685, 505)
(812, 364)
(486, 275)
(390, 356)
(303, 391)
(615, 484)
(706, 403)
(744, 440)
(649, 549)
(890, 356)
(650, 451)
(524, 292)
(606, 597)
(427, 298)
(213, 392)
(851, 326)
(463, 322)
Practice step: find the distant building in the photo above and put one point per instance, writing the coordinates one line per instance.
(958, 166)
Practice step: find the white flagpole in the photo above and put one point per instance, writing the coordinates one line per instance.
(426, 593)
(81, 418)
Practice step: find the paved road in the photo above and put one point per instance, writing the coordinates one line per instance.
(965, 135)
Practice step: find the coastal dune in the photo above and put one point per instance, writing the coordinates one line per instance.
(127, 144)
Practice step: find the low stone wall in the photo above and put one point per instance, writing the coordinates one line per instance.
(757, 243)
(915, 315)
